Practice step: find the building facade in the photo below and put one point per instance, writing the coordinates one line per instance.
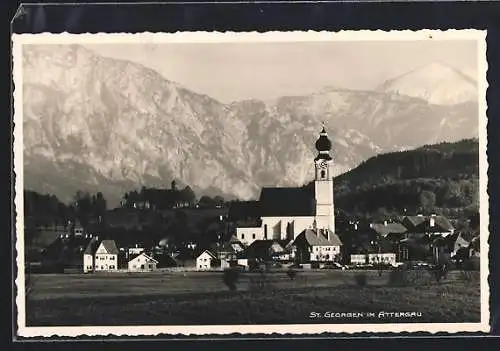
(141, 263)
(106, 256)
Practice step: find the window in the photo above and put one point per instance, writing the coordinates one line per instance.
(243, 236)
(253, 236)
(112, 258)
(323, 174)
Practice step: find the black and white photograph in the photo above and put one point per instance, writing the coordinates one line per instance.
(279, 182)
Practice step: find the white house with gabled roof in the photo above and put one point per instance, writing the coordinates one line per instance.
(106, 256)
(142, 262)
(206, 260)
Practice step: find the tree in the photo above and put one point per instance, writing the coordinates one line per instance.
(206, 201)
(187, 195)
(219, 200)
(427, 200)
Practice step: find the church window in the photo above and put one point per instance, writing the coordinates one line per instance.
(243, 236)
(253, 236)
(265, 231)
(323, 173)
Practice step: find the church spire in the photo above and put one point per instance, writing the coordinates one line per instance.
(323, 145)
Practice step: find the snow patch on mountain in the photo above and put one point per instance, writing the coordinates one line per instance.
(436, 83)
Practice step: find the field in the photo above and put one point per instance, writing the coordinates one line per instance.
(176, 298)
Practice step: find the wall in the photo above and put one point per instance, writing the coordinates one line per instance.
(204, 261)
(245, 234)
(106, 262)
(358, 259)
(277, 226)
(324, 253)
(88, 263)
(136, 263)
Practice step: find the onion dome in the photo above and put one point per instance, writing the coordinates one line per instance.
(323, 144)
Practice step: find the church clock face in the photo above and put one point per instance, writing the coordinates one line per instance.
(323, 165)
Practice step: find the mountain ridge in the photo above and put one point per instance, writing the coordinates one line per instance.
(124, 125)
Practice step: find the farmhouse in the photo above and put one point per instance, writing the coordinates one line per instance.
(206, 260)
(142, 262)
(285, 213)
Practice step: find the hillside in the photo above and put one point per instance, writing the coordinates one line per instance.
(433, 177)
(99, 124)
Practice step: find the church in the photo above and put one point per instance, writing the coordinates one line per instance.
(301, 216)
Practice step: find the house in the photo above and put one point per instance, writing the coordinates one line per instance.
(89, 256)
(106, 256)
(317, 245)
(283, 213)
(393, 231)
(358, 259)
(474, 247)
(384, 258)
(265, 250)
(206, 260)
(141, 263)
(434, 225)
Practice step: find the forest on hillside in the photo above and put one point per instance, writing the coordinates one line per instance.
(440, 178)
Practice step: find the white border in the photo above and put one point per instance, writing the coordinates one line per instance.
(231, 37)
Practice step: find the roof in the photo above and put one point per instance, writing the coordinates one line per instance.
(389, 228)
(208, 252)
(242, 210)
(110, 246)
(414, 221)
(316, 239)
(234, 240)
(224, 247)
(286, 202)
(422, 223)
(91, 247)
(261, 248)
(143, 254)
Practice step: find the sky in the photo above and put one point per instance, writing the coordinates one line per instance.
(239, 71)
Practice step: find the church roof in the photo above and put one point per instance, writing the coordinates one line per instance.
(286, 202)
(243, 210)
(323, 143)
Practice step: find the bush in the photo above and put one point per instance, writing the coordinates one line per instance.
(230, 278)
(470, 270)
(361, 279)
(291, 274)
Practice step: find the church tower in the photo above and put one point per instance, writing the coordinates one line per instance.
(323, 183)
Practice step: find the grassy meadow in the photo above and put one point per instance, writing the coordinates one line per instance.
(196, 298)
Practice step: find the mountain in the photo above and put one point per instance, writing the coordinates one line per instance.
(101, 124)
(448, 173)
(436, 83)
